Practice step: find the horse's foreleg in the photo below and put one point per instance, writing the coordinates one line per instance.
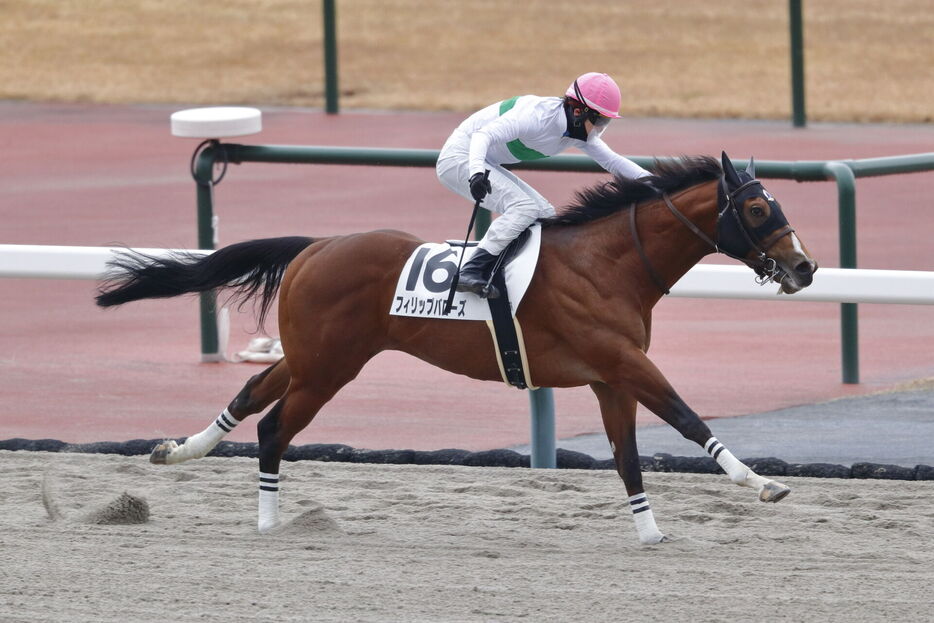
(258, 393)
(741, 474)
(653, 390)
(619, 419)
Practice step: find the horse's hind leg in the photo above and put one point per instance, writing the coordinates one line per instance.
(619, 419)
(286, 419)
(258, 393)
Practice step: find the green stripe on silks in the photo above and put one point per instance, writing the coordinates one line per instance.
(520, 151)
(517, 148)
(506, 105)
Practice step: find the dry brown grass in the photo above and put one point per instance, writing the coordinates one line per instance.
(865, 60)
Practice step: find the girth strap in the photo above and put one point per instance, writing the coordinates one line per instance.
(508, 342)
(656, 279)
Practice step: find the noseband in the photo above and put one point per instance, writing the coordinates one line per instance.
(734, 237)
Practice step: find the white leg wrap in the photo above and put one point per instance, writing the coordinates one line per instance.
(199, 445)
(734, 468)
(268, 502)
(645, 520)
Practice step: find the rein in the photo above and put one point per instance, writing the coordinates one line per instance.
(765, 267)
(645, 259)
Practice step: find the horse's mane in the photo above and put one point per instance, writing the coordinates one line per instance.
(619, 193)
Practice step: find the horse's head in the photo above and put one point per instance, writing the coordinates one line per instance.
(752, 228)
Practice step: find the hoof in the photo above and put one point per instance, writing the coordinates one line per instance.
(654, 539)
(773, 492)
(161, 452)
(268, 527)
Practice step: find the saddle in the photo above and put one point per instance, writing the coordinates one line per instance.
(508, 253)
(424, 286)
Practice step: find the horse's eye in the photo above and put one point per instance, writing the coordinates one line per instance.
(757, 211)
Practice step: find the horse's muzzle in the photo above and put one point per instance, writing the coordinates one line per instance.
(800, 277)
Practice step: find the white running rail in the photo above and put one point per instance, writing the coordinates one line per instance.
(837, 285)
(47, 262)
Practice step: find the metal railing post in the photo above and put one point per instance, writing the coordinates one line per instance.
(203, 173)
(543, 437)
(849, 320)
(330, 57)
(796, 29)
(481, 224)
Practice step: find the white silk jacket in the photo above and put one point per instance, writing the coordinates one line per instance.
(529, 127)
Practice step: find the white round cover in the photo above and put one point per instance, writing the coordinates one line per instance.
(216, 122)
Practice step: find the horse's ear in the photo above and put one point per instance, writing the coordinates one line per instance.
(732, 177)
(751, 169)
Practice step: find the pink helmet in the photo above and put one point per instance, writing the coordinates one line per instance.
(598, 92)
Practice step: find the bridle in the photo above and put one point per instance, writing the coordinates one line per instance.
(734, 237)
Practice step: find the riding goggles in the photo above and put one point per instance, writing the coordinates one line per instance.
(597, 119)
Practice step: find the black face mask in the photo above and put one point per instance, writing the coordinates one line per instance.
(735, 237)
(576, 114)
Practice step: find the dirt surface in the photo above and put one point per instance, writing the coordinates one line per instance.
(864, 60)
(401, 543)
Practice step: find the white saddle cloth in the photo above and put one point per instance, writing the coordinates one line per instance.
(425, 281)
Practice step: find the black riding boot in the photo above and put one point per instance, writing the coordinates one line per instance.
(475, 273)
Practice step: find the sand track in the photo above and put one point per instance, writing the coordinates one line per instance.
(369, 542)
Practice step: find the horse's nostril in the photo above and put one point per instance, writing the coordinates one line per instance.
(805, 268)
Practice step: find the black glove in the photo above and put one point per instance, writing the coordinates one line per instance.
(480, 185)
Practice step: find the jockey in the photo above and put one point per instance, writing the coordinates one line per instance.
(526, 127)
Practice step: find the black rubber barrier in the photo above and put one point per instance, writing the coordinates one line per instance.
(566, 459)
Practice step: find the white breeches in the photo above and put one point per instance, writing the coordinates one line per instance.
(519, 204)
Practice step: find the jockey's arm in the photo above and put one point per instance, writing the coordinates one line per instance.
(506, 128)
(612, 161)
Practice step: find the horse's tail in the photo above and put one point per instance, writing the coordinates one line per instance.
(252, 268)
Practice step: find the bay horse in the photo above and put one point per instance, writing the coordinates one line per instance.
(586, 315)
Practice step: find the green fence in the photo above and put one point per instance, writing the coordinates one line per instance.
(843, 172)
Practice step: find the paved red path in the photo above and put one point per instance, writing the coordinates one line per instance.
(81, 175)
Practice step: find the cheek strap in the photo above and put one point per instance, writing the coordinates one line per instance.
(777, 235)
